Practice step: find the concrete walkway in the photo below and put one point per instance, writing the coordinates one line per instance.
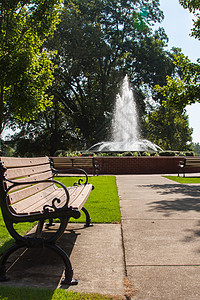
(161, 236)
(156, 248)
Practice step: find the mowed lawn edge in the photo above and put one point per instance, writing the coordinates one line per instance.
(184, 180)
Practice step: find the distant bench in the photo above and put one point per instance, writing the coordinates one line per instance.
(29, 193)
(189, 163)
(61, 163)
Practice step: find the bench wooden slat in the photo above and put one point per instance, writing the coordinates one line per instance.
(17, 173)
(34, 200)
(63, 159)
(62, 163)
(36, 177)
(28, 191)
(81, 199)
(41, 201)
(193, 161)
(13, 162)
(78, 197)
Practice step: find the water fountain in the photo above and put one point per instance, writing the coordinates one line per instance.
(125, 135)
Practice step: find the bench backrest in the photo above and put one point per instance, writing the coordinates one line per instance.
(192, 162)
(23, 170)
(75, 162)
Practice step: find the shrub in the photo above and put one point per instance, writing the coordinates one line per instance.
(145, 153)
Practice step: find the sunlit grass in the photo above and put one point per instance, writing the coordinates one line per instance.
(16, 293)
(184, 180)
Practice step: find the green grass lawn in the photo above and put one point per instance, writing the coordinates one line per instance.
(184, 180)
(13, 293)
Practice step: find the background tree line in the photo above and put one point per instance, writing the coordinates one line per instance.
(61, 83)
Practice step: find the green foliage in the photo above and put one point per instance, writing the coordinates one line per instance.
(98, 42)
(196, 147)
(168, 128)
(193, 6)
(26, 68)
(183, 87)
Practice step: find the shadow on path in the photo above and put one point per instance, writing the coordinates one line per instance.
(188, 198)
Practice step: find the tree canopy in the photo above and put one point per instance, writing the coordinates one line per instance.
(98, 42)
(183, 87)
(75, 74)
(26, 67)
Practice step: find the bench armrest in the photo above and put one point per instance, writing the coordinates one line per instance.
(181, 164)
(46, 207)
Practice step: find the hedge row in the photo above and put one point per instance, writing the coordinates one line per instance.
(62, 153)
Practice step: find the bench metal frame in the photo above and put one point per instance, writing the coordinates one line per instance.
(49, 212)
(188, 162)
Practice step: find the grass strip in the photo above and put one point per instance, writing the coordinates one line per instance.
(184, 180)
(21, 293)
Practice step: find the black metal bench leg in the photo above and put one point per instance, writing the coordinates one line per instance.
(47, 225)
(4, 258)
(68, 280)
(88, 220)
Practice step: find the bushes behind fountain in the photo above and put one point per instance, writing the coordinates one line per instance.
(63, 153)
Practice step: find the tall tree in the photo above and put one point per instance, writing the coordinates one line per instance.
(183, 87)
(98, 42)
(193, 6)
(26, 68)
(169, 129)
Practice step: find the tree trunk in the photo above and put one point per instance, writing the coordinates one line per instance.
(1, 113)
(1, 108)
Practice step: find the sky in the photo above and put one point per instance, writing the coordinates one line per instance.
(178, 24)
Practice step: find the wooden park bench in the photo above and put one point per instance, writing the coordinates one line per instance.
(29, 193)
(88, 162)
(188, 163)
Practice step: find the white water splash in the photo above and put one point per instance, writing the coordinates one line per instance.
(125, 129)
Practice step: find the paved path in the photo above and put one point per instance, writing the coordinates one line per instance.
(161, 236)
(156, 247)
